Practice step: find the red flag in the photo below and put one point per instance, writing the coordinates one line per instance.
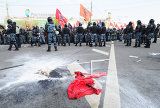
(83, 85)
(61, 19)
(85, 13)
(111, 24)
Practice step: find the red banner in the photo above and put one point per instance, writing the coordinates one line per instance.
(85, 13)
(61, 19)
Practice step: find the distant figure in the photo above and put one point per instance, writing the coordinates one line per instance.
(66, 35)
(129, 31)
(51, 34)
(79, 35)
(11, 32)
(150, 33)
(138, 34)
(103, 35)
(94, 37)
(156, 33)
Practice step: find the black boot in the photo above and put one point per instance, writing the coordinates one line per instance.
(16, 46)
(55, 48)
(80, 44)
(95, 44)
(76, 44)
(16, 49)
(147, 46)
(127, 44)
(139, 45)
(100, 44)
(104, 44)
(154, 42)
(135, 46)
(10, 47)
(64, 44)
(49, 49)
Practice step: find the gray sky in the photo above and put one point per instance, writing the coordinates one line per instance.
(122, 10)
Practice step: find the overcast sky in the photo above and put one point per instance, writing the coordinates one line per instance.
(122, 10)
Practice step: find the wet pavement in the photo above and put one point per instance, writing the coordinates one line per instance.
(23, 86)
(33, 78)
(138, 75)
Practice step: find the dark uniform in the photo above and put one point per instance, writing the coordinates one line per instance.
(125, 35)
(150, 33)
(41, 35)
(156, 33)
(79, 35)
(59, 36)
(143, 38)
(99, 33)
(11, 32)
(66, 35)
(35, 37)
(94, 37)
(88, 34)
(103, 35)
(138, 34)
(51, 34)
(129, 31)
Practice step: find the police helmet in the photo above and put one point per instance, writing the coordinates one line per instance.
(94, 23)
(130, 23)
(49, 19)
(80, 24)
(103, 24)
(139, 22)
(9, 21)
(151, 21)
(65, 25)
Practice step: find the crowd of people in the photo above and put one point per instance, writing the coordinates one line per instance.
(93, 35)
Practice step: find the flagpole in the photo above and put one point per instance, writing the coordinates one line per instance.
(7, 9)
(91, 12)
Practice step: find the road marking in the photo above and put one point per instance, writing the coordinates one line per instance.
(99, 60)
(101, 52)
(11, 67)
(133, 56)
(93, 100)
(112, 97)
(154, 54)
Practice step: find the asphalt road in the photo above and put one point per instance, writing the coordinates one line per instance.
(138, 75)
(23, 86)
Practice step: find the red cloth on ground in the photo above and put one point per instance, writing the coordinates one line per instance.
(83, 86)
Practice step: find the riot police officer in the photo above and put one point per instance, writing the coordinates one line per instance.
(11, 31)
(150, 33)
(59, 36)
(103, 35)
(51, 34)
(41, 33)
(129, 31)
(143, 38)
(94, 37)
(156, 33)
(138, 34)
(98, 33)
(38, 37)
(35, 36)
(79, 35)
(66, 35)
(87, 34)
